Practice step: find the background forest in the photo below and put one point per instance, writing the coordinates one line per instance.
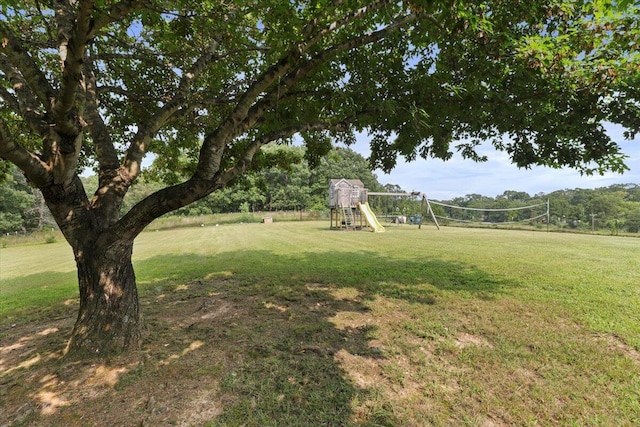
(301, 187)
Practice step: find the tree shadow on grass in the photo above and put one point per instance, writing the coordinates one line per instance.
(416, 281)
(286, 344)
(240, 338)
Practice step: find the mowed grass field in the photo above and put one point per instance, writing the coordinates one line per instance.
(291, 324)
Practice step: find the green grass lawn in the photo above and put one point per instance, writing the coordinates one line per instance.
(407, 327)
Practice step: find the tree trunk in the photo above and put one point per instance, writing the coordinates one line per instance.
(109, 319)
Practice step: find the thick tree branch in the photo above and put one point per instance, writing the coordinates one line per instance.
(245, 162)
(248, 111)
(28, 162)
(157, 204)
(365, 39)
(20, 58)
(24, 103)
(179, 103)
(286, 63)
(291, 79)
(177, 196)
(116, 13)
(65, 139)
(112, 185)
(314, 34)
(10, 100)
(105, 151)
(72, 38)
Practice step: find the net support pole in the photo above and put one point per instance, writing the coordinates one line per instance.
(433, 215)
(548, 216)
(421, 212)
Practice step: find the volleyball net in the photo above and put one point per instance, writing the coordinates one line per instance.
(535, 213)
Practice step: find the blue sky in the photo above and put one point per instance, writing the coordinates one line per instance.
(458, 177)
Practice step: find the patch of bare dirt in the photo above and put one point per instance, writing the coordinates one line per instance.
(165, 383)
(211, 347)
(365, 371)
(616, 344)
(465, 340)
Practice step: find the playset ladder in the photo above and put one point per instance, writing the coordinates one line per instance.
(347, 216)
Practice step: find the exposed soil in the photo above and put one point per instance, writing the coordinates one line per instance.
(155, 386)
(201, 334)
(224, 353)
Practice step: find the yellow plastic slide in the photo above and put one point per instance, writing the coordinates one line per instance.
(370, 217)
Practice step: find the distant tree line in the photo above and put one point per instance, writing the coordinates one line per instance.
(22, 208)
(304, 185)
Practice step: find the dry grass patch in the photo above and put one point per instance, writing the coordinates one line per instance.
(149, 387)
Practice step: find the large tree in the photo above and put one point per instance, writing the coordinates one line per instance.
(203, 85)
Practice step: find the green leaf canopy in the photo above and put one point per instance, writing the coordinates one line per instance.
(204, 85)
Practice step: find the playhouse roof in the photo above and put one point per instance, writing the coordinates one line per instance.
(351, 182)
